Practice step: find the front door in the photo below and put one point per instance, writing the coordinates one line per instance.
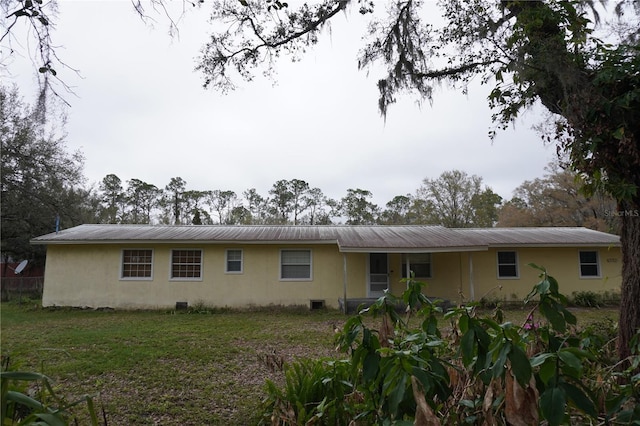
(378, 274)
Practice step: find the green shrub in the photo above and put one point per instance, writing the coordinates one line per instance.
(313, 393)
(587, 299)
(480, 370)
(27, 398)
(611, 297)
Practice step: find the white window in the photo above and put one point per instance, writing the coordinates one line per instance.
(419, 264)
(137, 264)
(233, 261)
(186, 264)
(589, 265)
(295, 265)
(507, 264)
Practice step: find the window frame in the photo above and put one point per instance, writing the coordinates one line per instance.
(171, 263)
(597, 264)
(122, 263)
(498, 264)
(280, 264)
(227, 260)
(403, 264)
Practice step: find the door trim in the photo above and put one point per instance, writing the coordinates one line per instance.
(379, 275)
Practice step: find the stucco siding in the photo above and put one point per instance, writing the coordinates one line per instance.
(356, 275)
(89, 275)
(561, 263)
(450, 278)
(447, 277)
(396, 286)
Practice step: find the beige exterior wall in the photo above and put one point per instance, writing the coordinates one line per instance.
(356, 275)
(89, 276)
(451, 272)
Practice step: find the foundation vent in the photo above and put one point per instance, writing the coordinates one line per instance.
(316, 304)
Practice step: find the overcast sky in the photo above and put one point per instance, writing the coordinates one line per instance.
(139, 111)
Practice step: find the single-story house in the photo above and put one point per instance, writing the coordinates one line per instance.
(150, 266)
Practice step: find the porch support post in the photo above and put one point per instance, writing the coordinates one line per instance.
(472, 292)
(344, 277)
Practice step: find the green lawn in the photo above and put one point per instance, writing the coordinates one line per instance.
(159, 367)
(168, 368)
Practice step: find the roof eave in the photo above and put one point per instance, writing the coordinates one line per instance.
(554, 245)
(411, 249)
(190, 241)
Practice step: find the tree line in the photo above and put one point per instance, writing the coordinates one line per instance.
(454, 199)
(43, 189)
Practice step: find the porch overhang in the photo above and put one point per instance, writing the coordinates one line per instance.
(403, 250)
(348, 305)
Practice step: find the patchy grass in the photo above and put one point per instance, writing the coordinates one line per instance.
(189, 368)
(164, 368)
(585, 316)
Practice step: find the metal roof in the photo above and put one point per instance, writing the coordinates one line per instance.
(188, 233)
(405, 239)
(411, 238)
(542, 236)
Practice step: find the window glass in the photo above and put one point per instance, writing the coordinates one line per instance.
(137, 263)
(295, 264)
(419, 263)
(186, 263)
(234, 261)
(507, 264)
(589, 264)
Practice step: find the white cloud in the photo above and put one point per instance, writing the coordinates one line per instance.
(142, 113)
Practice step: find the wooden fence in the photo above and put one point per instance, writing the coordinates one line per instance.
(16, 288)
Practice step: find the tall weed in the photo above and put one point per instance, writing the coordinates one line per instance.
(28, 398)
(424, 366)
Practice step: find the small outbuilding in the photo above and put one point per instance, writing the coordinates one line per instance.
(164, 266)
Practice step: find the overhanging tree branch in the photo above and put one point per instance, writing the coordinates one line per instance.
(260, 28)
